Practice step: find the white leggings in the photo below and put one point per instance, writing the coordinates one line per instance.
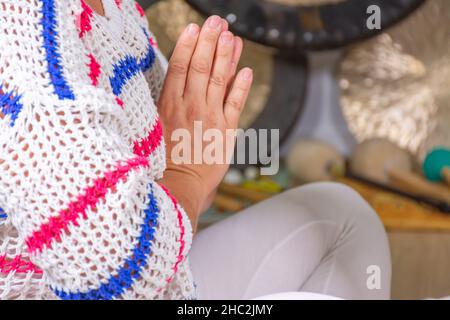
(321, 238)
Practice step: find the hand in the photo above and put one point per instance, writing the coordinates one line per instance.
(202, 85)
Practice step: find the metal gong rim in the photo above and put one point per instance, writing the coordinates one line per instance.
(305, 27)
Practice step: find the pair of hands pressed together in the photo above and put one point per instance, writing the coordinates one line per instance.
(202, 85)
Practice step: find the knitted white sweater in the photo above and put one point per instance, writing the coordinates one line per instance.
(81, 148)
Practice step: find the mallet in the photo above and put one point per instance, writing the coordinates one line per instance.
(384, 162)
(437, 165)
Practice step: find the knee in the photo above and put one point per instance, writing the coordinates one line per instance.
(360, 234)
(338, 201)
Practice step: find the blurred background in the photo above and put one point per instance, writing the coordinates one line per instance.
(365, 104)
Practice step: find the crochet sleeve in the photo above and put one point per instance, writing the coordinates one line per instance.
(78, 188)
(156, 75)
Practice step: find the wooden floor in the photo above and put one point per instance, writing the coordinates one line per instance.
(421, 264)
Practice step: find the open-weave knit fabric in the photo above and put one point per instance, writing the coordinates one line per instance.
(81, 150)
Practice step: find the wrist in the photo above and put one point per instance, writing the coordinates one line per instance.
(188, 189)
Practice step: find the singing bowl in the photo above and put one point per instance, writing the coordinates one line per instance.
(301, 25)
(277, 96)
(396, 85)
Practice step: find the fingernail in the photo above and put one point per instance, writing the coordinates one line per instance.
(247, 74)
(215, 22)
(192, 29)
(225, 24)
(226, 38)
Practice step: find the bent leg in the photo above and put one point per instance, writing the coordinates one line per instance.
(320, 238)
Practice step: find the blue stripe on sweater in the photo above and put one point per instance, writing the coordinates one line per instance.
(123, 71)
(10, 104)
(3, 215)
(50, 35)
(130, 66)
(131, 267)
(147, 62)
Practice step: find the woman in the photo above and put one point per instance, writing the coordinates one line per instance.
(95, 208)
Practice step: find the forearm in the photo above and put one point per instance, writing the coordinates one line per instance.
(188, 190)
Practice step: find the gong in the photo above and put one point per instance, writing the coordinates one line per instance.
(277, 96)
(305, 24)
(396, 86)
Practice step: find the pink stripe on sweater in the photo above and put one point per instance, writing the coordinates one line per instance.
(180, 256)
(17, 265)
(147, 145)
(153, 42)
(54, 228)
(140, 10)
(94, 70)
(85, 19)
(120, 102)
